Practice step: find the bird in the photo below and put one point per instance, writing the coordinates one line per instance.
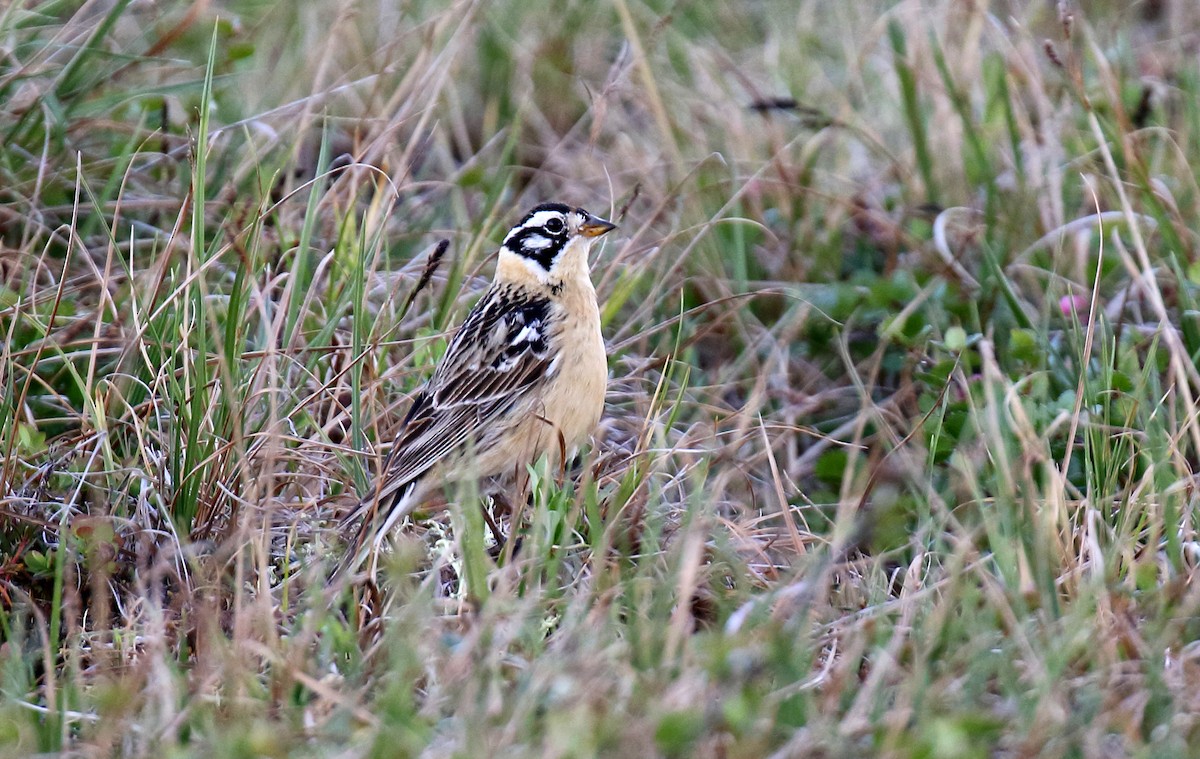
(524, 376)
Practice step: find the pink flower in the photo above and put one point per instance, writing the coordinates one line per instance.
(1073, 304)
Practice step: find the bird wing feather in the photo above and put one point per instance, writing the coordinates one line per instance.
(497, 357)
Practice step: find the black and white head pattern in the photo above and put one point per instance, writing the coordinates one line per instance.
(544, 232)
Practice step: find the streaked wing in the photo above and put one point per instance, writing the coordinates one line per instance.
(497, 357)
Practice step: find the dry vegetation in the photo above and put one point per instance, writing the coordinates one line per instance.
(900, 449)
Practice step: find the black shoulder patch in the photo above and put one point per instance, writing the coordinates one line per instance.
(526, 324)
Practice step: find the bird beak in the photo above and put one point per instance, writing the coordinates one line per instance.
(595, 226)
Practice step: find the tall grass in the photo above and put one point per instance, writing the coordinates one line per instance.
(898, 455)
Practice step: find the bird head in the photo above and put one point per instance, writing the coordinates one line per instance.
(552, 241)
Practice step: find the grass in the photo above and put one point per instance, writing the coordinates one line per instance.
(900, 445)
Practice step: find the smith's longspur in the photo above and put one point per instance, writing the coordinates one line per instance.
(524, 376)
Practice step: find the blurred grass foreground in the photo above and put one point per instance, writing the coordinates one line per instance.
(901, 444)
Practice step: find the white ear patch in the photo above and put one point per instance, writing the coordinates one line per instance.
(537, 242)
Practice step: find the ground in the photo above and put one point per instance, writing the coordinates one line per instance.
(900, 443)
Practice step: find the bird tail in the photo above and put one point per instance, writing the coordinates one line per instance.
(376, 516)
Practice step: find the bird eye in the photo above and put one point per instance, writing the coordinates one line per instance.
(555, 226)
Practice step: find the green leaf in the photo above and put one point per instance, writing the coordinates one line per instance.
(831, 466)
(1023, 345)
(956, 339)
(677, 731)
(30, 440)
(38, 563)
